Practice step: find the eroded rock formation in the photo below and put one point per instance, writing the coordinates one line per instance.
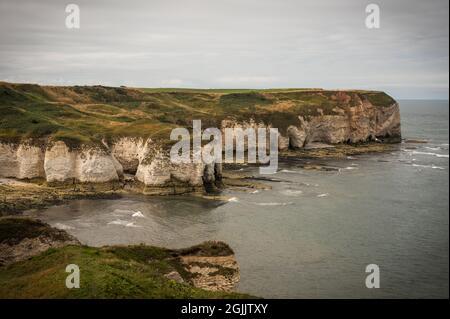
(99, 134)
(150, 163)
(357, 123)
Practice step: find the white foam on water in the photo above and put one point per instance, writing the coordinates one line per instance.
(288, 171)
(118, 222)
(309, 184)
(63, 226)
(138, 214)
(132, 224)
(323, 195)
(350, 167)
(273, 204)
(428, 166)
(233, 200)
(430, 154)
(255, 192)
(291, 192)
(121, 222)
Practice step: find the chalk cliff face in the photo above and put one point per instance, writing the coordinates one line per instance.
(363, 122)
(156, 169)
(97, 134)
(85, 165)
(129, 152)
(21, 161)
(58, 163)
(152, 166)
(151, 163)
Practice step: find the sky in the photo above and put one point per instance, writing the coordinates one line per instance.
(230, 44)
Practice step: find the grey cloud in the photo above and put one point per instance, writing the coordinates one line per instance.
(235, 43)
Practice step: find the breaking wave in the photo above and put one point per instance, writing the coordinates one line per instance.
(291, 192)
(273, 204)
(121, 222)
(430, 154)
(428, 166)
(138, 214)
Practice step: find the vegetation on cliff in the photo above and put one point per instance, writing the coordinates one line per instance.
(89, 114)
(138, 271)
(109, 272)
(14, 230)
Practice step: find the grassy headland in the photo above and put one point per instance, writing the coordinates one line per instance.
(109, 272)
(88, 114)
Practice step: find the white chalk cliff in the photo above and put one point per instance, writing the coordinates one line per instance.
(56, 162)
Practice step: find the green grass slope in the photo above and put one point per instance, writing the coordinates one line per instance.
(87, 114)
(109, 272)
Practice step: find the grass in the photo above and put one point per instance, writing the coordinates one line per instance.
(137, 271)
(89, 114)
(108, 272)
(221, 91)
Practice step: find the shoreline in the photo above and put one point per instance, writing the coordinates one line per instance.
(20, 195)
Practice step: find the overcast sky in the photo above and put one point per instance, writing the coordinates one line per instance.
(229, 44)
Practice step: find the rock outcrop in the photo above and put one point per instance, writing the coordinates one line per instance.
(86, 165)
(360, 123)
(21, 161)
(22, 238)
(158, 170)
(213, 273)
(357, 123)
(72, 134)
(129, 152)
(212, 264)
(58, 163)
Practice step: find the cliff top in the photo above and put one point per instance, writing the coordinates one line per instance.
(87, 114)
(137, 271)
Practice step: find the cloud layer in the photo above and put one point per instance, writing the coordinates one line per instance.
(229, 44)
